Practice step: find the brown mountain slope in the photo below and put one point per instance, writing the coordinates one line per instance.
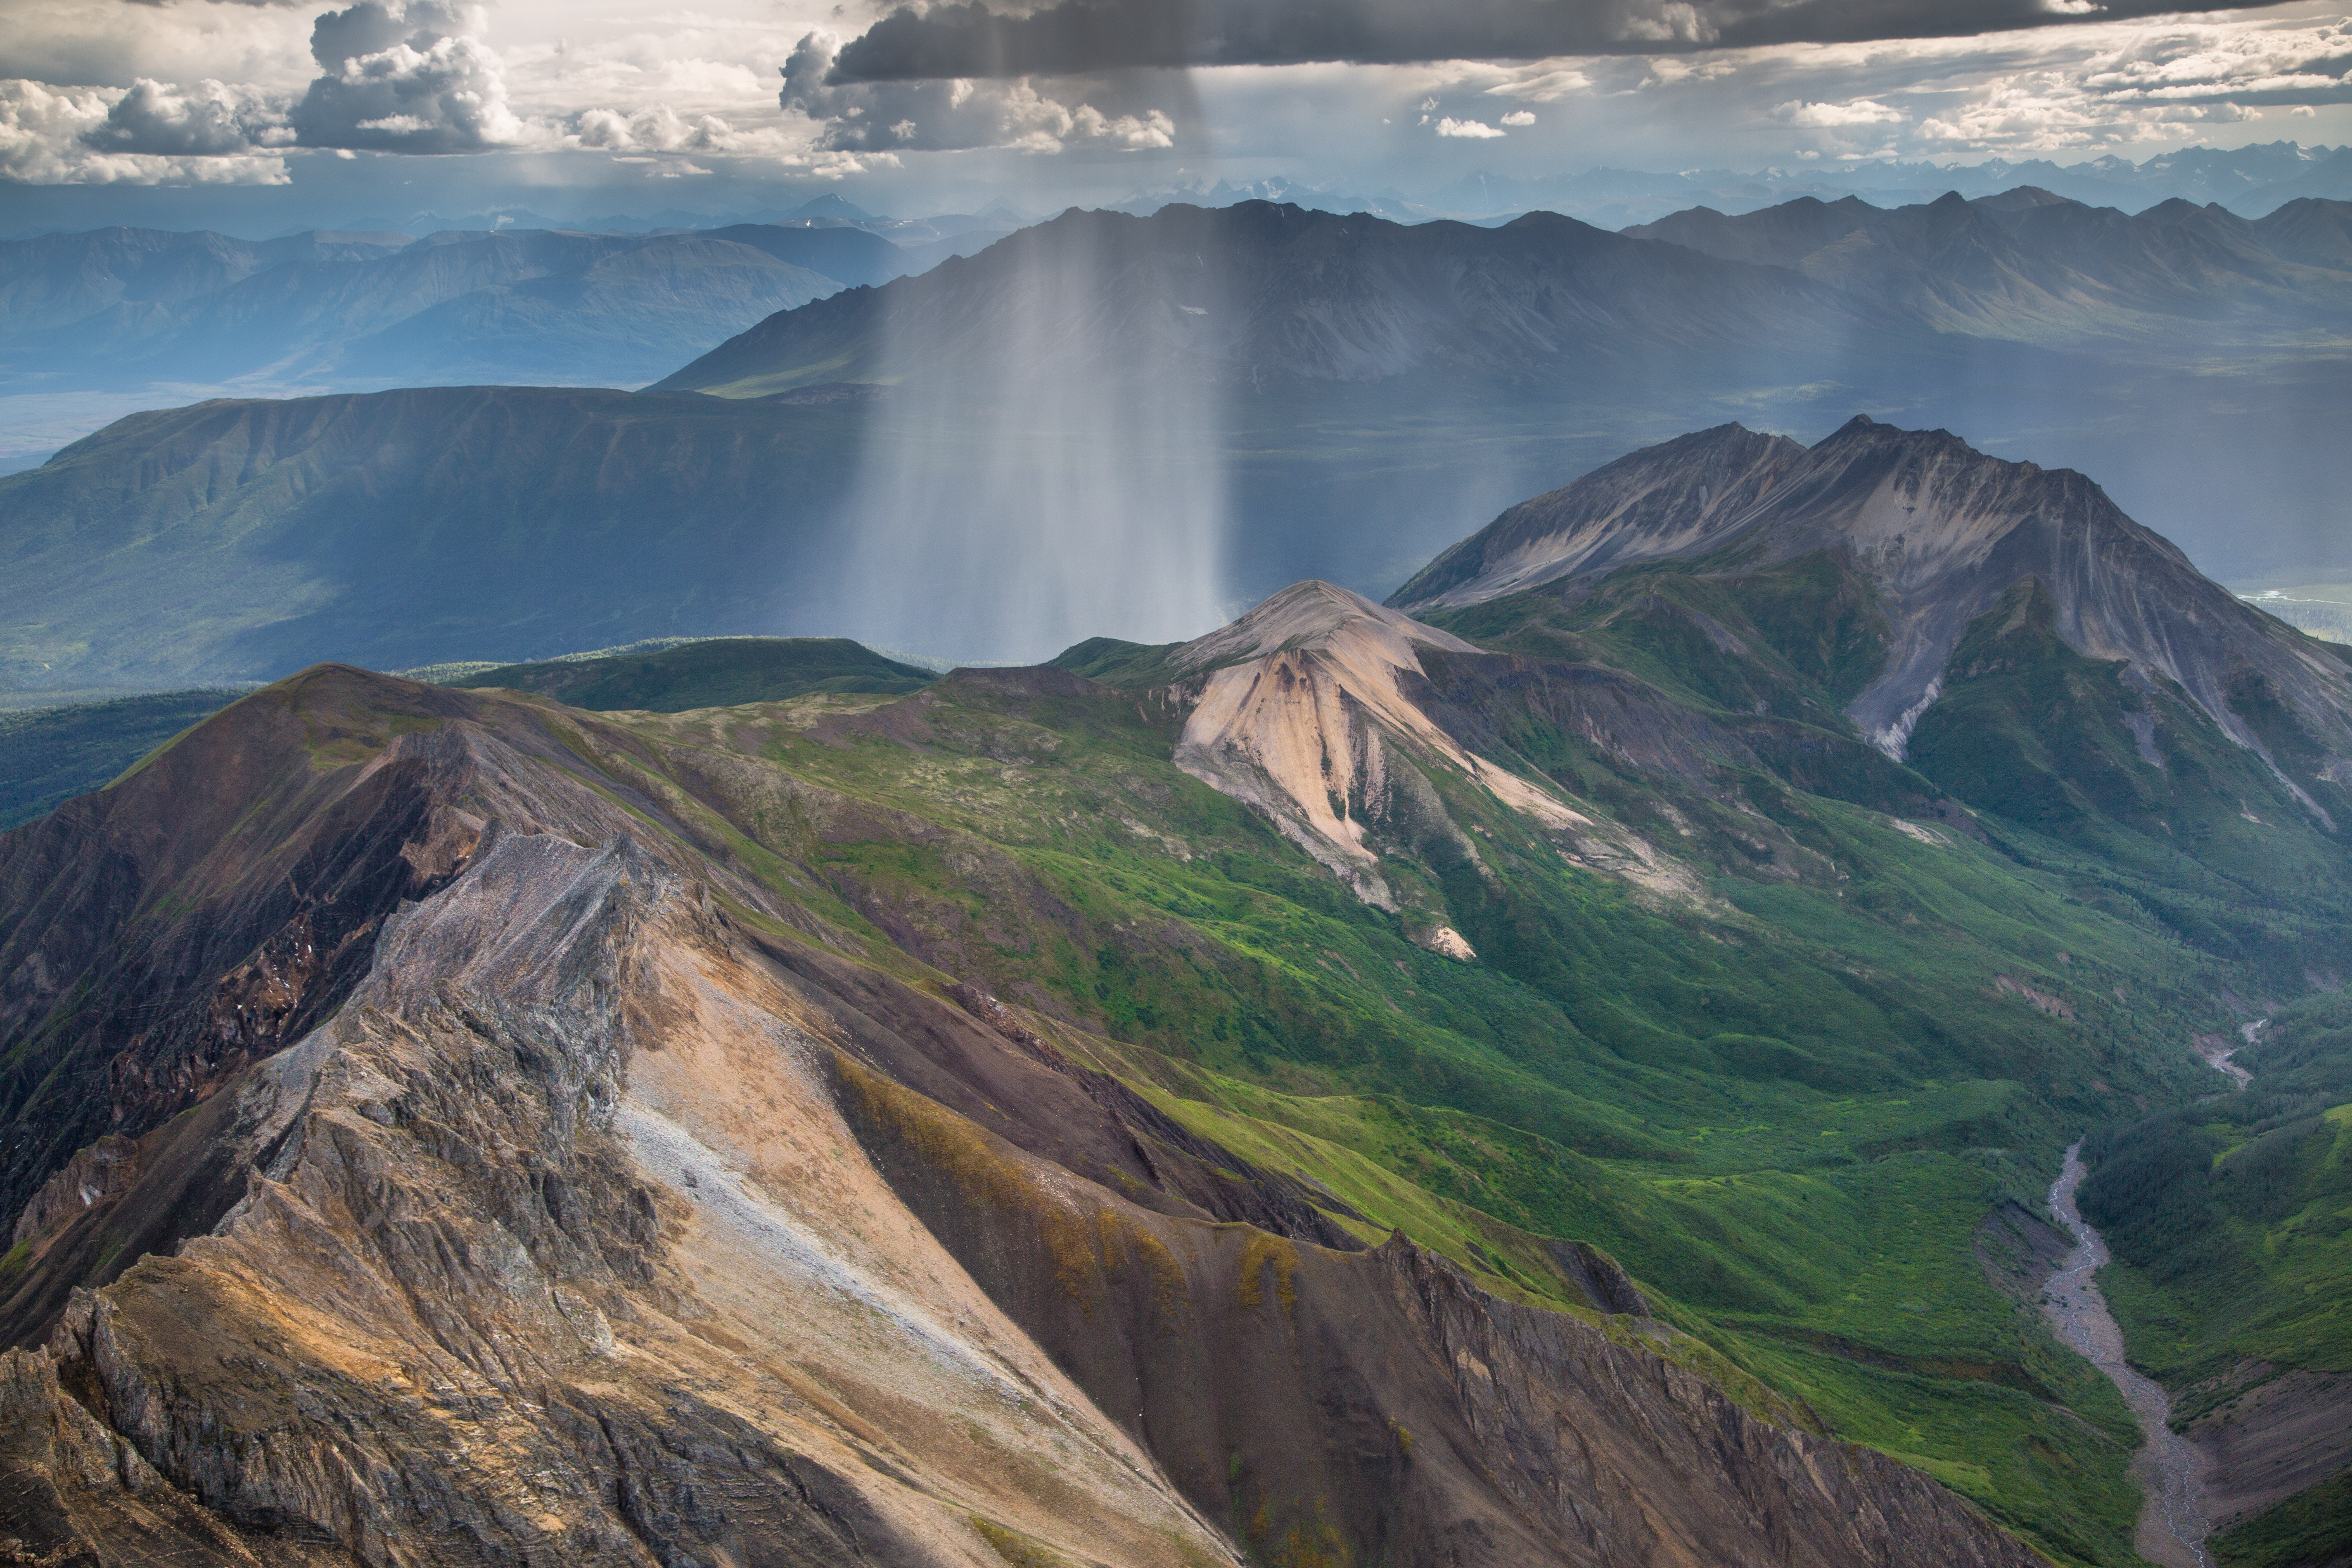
(618, 1209)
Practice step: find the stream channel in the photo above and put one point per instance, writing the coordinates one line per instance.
(2168, 1467)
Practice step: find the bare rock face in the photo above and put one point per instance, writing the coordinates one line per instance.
(604, 1218)
(1301, 713)
(158, 938)
(1662, 500)
(1941, 532)
(1318, 709)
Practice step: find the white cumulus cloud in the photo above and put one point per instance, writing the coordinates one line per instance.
(1861, 112)
(1473, 129)
(413, 77)
(75, 136)
(205, 120)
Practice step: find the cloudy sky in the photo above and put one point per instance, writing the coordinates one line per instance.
(578, 106)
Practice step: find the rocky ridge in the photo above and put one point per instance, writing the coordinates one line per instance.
(688, 1234)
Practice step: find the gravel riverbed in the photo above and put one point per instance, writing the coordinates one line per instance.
(2170, 1470)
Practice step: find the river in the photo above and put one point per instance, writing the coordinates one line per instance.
(2170, 1469)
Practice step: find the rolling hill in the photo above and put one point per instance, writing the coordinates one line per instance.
(715, 672)
(48, 756)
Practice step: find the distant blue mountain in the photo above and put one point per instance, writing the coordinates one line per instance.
(2249, 181)
(126, 307)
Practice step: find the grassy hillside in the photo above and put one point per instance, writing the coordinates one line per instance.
(2312, 1528)
(2233, 1217)
(714, 673)
(1791, 1109)
(2230, 1222)
(48, 756)
(328, 529)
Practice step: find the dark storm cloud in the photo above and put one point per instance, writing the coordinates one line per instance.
(1077, 37)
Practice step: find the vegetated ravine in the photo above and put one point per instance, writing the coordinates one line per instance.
(2172, 1530)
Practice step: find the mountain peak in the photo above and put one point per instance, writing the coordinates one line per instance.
(1664, 501)
(2023, 198)
(1302, 714)
(1940, 531)
(1308, 614)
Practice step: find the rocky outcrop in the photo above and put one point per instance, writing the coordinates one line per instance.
(1317, 708)
(105, 1170)
(158, 938)
(1300, 712)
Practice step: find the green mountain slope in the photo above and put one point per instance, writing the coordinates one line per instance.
(1605, 942)
(1033, 957)
(2230, 1222)
(2127, 791)
(247, 536)
(1788, 1105)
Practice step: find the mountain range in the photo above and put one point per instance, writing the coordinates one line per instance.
(1529, 1074)
(1355, 392)
(2249, 180)
(1257, 290)
(131, 306)
(2028, 264)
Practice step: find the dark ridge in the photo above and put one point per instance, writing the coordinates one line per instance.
(720, 673)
